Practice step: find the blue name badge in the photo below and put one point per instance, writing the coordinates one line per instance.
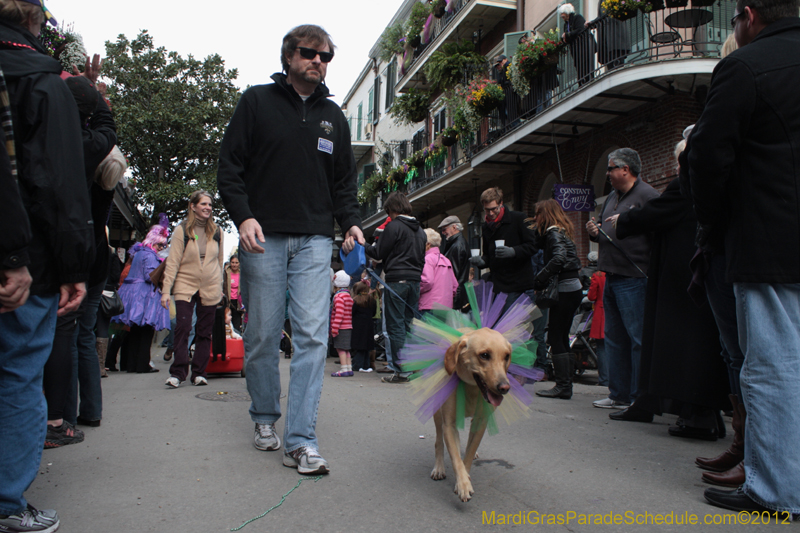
(324, 145)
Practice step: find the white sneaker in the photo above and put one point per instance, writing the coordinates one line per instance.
(265, 438)
(365, 370)
(200, 381)
(608, 403)
(172, 382)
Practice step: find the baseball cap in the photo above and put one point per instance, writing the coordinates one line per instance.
(452, 219)
(47, 15)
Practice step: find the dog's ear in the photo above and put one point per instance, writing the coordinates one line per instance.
(451, 355)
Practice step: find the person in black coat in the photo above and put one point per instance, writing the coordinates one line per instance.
(457, 251)
(554, 235)
(581, 42)
(681, 371)
(510, 263)
(744, 174)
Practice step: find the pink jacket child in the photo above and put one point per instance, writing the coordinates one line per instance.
(438, 285)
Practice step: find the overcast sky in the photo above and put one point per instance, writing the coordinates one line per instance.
(247, 35)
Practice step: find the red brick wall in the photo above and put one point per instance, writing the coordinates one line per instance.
(652, 130)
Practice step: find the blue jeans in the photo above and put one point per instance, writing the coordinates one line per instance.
(769, 335)
(623, 301)
(723, 304)
(26, 339)
(399, 315)
(301, 263)
(85, 366)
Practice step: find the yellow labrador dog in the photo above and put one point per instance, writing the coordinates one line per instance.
(480, 358)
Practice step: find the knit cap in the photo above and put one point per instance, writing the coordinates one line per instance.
(341, 279)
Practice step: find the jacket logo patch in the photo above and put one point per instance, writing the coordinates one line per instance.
(324, 145)
(327, 126)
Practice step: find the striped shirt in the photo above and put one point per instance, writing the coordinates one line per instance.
(342, 315)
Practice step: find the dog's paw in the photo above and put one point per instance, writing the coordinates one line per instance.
(464, 490)
(438, 473)
(477, 456)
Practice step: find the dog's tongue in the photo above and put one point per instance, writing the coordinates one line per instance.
(494, 399)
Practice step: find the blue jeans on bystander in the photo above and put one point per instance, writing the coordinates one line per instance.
(623, 302)
(399, 315)
(769, 335)
(26, 339)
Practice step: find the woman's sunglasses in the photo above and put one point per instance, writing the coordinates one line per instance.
(310, 53)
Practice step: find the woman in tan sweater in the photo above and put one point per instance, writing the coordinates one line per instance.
(194, 277)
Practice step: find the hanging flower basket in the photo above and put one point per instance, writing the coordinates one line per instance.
(534, 58)
(625, 9)
(449, 140)
(484, 95)
(676, 3)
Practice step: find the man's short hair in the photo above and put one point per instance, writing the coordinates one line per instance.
(770, 10)
(492, 194)
(434, 239)
(627, 157)
(397, 203)
(309, 33)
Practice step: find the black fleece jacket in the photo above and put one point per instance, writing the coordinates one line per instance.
(513, 274)
(52, 181)
(288, 163)
(401, 248)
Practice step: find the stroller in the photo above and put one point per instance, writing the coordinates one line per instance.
(579, 342)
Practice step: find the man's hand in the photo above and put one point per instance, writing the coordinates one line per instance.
(14, 288)
(613, 220)
(504, 252)
(477, 261)
(592, 228)
(91, 70)
(72, 294)
(353, 234)
(165, 301)
(249, 235)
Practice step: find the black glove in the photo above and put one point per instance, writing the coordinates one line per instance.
(504, 252)
(477, 261)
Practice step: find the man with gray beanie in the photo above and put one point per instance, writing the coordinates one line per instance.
(625, 264)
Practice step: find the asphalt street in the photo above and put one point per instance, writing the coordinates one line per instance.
(168, 460)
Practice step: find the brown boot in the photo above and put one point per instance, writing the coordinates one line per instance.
(732, 478)
(735, 454)
(102, 348)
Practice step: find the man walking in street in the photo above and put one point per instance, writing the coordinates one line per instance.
(457, 251)
(745, 182)
(286, 172)
(508, 245)
(625, 264)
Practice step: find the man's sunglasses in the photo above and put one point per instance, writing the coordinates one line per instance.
(310, 53)
(733, 19)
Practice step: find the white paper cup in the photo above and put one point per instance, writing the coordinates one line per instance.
(475, 252)
(498, 244)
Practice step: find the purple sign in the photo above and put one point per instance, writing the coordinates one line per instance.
(574, 197)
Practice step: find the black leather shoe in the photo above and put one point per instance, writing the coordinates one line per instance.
(688, 432)
(632, 414)
(737, 500)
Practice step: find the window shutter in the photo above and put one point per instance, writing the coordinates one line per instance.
(511, 43)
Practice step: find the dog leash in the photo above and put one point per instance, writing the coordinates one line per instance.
(417, 314)
(621, 250)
